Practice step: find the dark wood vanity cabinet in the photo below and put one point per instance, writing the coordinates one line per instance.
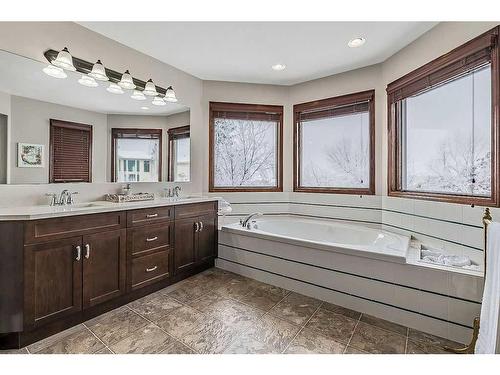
(76, 267)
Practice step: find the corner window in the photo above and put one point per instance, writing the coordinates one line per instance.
(179, 154)
(136, 155)
(443, 142)
(245, 147)
(334, 145)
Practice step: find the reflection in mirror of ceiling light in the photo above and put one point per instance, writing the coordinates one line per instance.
(145, 108)
(127, 82)
(87, 81)
(64, 60)
(170, 95)
(356, 42)
(99, 72)
(158, 101)
(54, 71)
(150, 89)
(137, 95)
(278, 67)
(114, 88)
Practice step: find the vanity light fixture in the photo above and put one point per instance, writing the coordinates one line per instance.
(150, 89)
(87, 81)
(278, 67)
(356, 42)
(127, 82)
(64, 60)
(170, 95)
(138, 95)
(99, 72)
(158, 101)
(114, 88)
(54, 71)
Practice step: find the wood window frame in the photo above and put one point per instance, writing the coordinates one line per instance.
(331, 104)
(174, 134)
(249, 108)
(115, 132)
(54, 123)
(445, 67)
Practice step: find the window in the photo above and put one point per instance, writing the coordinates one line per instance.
(443, 140)
(70, 152)
(179, 156)
(136, 155)
(334, 145)
(245, 147)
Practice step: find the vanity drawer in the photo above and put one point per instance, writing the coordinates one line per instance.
(70, 226)
(151, 215)
(150, 238)
(150, 269)
(195, 209)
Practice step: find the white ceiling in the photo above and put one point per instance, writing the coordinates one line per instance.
(245, 51)
(24, 77)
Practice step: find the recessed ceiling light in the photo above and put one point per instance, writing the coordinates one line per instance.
(356, 42)
(278, 67)
(144, 108)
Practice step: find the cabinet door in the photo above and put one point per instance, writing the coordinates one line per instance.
(53, 280)
(104, 263)
(184, 248)
(206, 241)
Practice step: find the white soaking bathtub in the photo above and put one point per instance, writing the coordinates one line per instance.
(350, 239)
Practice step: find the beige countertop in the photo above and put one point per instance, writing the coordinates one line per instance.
(47, 212)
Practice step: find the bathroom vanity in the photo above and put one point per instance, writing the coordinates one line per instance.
(61, 267)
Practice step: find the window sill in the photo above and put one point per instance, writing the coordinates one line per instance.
(323, 190)
(445, 198)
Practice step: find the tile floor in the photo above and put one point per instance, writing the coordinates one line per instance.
(221, 312)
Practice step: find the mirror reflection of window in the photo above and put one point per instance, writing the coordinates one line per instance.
(136, 155)
(179, 159)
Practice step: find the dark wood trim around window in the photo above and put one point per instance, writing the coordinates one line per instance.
(173, 134)
(351, 103)
(70, 152)
(129, 133)
(256, 111)
(477, 52)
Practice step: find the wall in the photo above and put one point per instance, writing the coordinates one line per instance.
(31, 39)
(3, 148)
(30, 124)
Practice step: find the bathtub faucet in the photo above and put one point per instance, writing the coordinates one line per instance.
(244, 222)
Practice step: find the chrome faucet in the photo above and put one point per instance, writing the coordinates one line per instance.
(65, 198)
(245, 222)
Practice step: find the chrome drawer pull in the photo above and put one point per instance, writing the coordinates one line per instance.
(149, 216)
(201, 226)
(196, 226)
(151, 269)
(87, 251)
(78, 253)
(151, 239)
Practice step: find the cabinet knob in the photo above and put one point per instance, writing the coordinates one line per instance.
(87, 251)
(78, 253)
(151, 269)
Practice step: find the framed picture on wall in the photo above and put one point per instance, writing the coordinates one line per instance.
(29, 155)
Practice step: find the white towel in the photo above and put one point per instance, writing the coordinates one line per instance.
(488, 341)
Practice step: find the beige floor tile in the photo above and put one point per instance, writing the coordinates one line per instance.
(311, 342)
(104, 351)
(273, 331)
(422, 347)
(237, 287)
(296, 308)
(116, 325)
(210, 336)
(178, 348)
(80, 341)
(147, 340)
(189, 291)
(236, 314)
(204, 302)
(181, 321)
(385, 324)
(247, 345)
(341, 310)
(261, 298)
(377, 340)
(335, 326)
(351, 350)
(428, 339)
(155, 306)
(14, 351)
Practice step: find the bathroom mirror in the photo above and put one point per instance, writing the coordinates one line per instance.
(59, 130)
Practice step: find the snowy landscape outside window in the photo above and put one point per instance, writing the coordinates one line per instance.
(136, 155)
(245, 147)
(179, 157)
(334, 144)
(444, 127)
